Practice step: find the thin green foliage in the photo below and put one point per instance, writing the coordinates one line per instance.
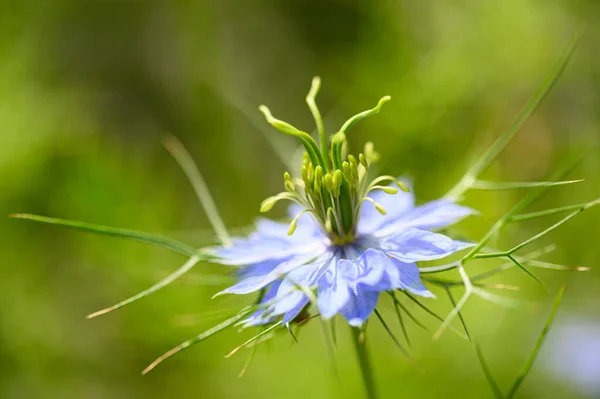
(394, 339)
(460, 316)
(207, 334)
(530, 360)
(138, 236)
(189, 167)
(161, 284)
(399, 304)
(257, 336)
(432, 313)
(494, 186)
(538, 345)
(401, 321)
(490, 155)
(488, 374)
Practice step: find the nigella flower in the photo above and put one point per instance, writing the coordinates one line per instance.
(350, 238)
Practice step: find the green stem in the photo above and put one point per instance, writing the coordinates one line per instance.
(366, 371)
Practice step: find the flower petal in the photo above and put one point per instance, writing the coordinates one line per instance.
(383, 273)
(396, 205)
(333, 290)
(257, 318)
(257, 249)
(433, 215)
(360, 306)
(412, 245)
(291, 298)
(253, 283)
(340, 293)
(410, 279)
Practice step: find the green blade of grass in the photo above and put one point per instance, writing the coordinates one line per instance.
(488, 157)
(138, 236)
(207, 334)
(531, 359)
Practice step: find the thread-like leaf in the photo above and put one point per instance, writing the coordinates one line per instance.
(494, 186)
(431, 312)
(161, 284)
(138, 236)
(186, 162)
(488, 157)
(257, 336)
(401, 321)
(488, 374)
(399, 304)
(531, 359)
(460, 316)
(393, 337)
(207, 334)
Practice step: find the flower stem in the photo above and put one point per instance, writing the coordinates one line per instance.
(360, 345)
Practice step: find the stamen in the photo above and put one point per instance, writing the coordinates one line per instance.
(294, 222)
(386, 189)
(377, 205)
(288, 183)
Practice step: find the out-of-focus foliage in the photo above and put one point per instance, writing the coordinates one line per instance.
(89, 88)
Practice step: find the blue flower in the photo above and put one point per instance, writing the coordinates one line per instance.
(347, 277)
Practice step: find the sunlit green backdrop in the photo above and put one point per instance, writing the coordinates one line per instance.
(88, 89)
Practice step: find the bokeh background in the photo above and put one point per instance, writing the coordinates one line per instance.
(88, 89)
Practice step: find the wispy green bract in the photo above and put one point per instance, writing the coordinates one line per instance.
(207, 334)
(490, 155)
(138, 236)
(530, 360)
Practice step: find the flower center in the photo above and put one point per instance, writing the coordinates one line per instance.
(334, 184)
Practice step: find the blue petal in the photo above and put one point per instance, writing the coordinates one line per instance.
(271, 241)
(333, 290)
(253, 283)
(378, 271)
(433, 215)
(412, 245)
(256, 318)
(382, 273)
(339, 292)
(360, 306)
(290, 298)
(410, 279)
(396, 205)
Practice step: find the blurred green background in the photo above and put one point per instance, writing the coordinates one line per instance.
(89, 88)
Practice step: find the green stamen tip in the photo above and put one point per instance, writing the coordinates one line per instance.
(380, 208)
(293, 226)
(402, 186)
(268, 204)
(389, 190)
(363, 160)
(328, 182)
(353, 160)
